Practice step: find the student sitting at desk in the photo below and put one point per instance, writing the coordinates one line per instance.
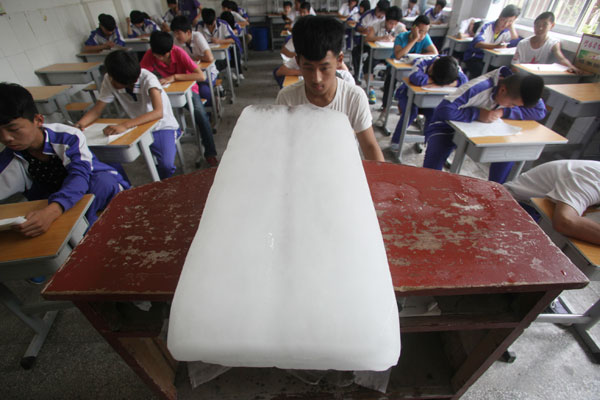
(436, 13)
(366, 20)
(318, 42)
(411, 10)
(429, 72)
(573, 185)
(497, 94)
(287, 12)
(106, 36)
(468, 28)
(196, 46)
(174, 64)
(48, 161)
(295, 13)
(349, 10)
(144, 100)
(171, 13)
(415, 41)
(493, 35)
(539, 48)
(140, 25)
(228, 17)
(231, 6)
(383, 31)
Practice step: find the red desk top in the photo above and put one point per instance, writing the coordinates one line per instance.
(445, 234)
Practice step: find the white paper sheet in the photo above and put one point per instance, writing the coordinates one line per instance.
(480, 129)
(7, 223)
(506, 50)
(385, 44)
(441, 89)
(409, 58)
(546, 67)
(95, 136)
(288, 267)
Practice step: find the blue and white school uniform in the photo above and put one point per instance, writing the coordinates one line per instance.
(418, 77)
(195, 49)
(147, 28)
(440, 17)
(463, 105)
(137, 102)
(169, 16)
(97, 38)
(486, 35)
(71, 172)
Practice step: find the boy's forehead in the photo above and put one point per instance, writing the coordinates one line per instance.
(329, 58)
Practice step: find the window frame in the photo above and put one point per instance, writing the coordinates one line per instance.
(564, 29)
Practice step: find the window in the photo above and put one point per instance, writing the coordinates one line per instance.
(572, 16)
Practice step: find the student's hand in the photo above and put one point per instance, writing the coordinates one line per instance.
(39, 221)
(128, 20)
(114, 129)
(501, 45)
(576, 70)
(388, 38)
(490, 115)
(109, 45)
(145, 35)
(167, 80)
(414, 36)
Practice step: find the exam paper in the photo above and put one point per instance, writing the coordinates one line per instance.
(480, 129)
(7, 223)
(385, 44)
(95, 136)
(546, 67)
(506, 50)
(442, 89)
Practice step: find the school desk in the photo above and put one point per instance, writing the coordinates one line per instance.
(584, 255)
(180, 96)
(423, 99)
(24, 258)
(495, 58)
(399, 70)
(458, 45)
(290, 80)
(463, 240)
(49, 99)
(70, 73)
(137, 44)
(221, 52)
(377, 52)
(216, 113)
(552, 77)
(525, 146)
(129, 146)
(99, 56)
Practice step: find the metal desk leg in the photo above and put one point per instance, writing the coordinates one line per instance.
(360, 63)
(459, 155)
(556, 111)
(245, 47)
(97, 79)
(515, 170)
(487, 58)
(61, 102)
(190, 104)
(451, 46)
(144, 146)
(406, 117)
(369, 70)
(390, 97)
(229, 79)
(235, 60)
(213, 101)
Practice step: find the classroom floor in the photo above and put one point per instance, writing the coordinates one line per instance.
(76, 362)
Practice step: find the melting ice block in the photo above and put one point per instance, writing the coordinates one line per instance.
(288, 267)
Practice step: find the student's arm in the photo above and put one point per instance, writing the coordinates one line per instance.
(130, 32)
(285, 71)
(371, 37)
(207, 56)
(90, 116)
(400, 51)
(535, 113)
(369, 146)
(96, 47)
(155, 114)
(196, 75)
(566, 221)
(564, 60)
(431, 49)
(451, 111)
(489, 46)
(286, 52)
(420, 77)
(39, 221)
(223, 41)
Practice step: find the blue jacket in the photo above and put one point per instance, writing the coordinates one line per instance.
(69, 145)
(486, 35)
(464, 104)
(97, 37)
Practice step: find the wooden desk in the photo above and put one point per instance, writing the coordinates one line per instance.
(524, 146)
(421, 98)
(69, 73)
(137, 44)
(99, 56)
(290, 80)
(556, 77)
(376, 52)
(400, 70)
(129, 146)
(458, 45)
(24, 258)
(443, 238)
(49, 99)
(221, 53)
(584, 255)
(497, 58)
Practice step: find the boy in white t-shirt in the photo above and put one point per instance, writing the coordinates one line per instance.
(144, 100)
(318, 44)
(539, 48)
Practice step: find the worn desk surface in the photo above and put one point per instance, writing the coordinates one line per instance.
(69, 67)
(46, 93)
(179, 87)
(443, 233)
(580, 92)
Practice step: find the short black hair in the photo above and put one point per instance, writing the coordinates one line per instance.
(107, 22)
(528, 88)
(477, 25)
(305, 5)
(441, 3)
(161, 42)
(315, 35)
(15, 102)
(227, 16)
(234, 6)
(383, 5)
(393, 13)
(287, 3)
(208, 16)
(365, 4)
(510, 11)
(123, 66)
(546, 15)
(181, 23)
(171, 1)
(422, 19)
(413, 1)
(225, 4)
(136, 17)
(444, 70)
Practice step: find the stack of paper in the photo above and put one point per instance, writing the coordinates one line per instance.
(94, 135)
(7, 223)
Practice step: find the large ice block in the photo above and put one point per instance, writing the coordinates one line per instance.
(288, 266)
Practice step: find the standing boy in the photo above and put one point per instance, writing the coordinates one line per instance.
(48, 161)
(142, 97)
(174, 64)
(497, 94)
(318, 44)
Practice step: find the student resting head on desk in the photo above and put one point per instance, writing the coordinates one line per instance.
(318, 44)
(429, 72)
(539, 48)
(174, 64)
(497, 94)
(498, 34)
(573, 185)
(140, 25)
(106, 36)
(436, 13)
(144, 100)
(48, 161)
